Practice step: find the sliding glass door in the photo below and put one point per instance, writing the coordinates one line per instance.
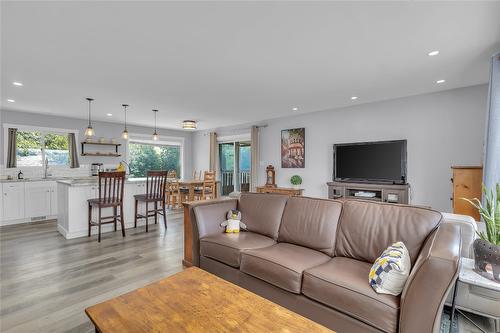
(235, 166)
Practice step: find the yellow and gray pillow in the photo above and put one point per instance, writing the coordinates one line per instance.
(390, 271)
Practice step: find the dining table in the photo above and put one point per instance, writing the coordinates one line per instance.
(191, 184)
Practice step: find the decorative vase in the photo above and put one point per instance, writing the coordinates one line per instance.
(296, 186)
(486, 253)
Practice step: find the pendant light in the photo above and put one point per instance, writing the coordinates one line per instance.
(155, 135)
(89, 131)
(125, 132)
(189, 124)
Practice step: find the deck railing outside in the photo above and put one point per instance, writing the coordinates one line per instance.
(228, 181)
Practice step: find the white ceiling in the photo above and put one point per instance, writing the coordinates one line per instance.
(229, 63)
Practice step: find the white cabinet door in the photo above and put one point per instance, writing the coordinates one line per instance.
(53, 198)
(13, 201)
(37, 199)
(130, 190)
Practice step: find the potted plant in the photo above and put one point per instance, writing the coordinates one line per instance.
(296, 181)
(487, 246)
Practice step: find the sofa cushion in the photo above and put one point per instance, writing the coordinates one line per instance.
(226, 248)
(341, 284)
(281, 264)
(262, 212)
(366, 229)
(311, 223)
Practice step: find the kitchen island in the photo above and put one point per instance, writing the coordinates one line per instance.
(72, 196)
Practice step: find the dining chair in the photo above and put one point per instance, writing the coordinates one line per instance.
(172, 174)
(207, 190)
(173, 193)
(155, 193)
(111, 186)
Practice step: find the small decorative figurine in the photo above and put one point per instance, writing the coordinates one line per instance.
(270, 176)
(233, 223)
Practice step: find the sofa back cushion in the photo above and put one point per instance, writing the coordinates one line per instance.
(262, 212)
(311, 223)
(367, 228)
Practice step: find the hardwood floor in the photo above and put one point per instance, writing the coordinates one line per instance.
(46, 281)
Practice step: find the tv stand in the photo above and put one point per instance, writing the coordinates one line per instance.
(392, 193)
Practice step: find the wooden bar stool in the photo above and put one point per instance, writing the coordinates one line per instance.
(155, 193)
(110, 196)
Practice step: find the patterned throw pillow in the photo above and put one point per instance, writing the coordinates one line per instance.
(390, 271)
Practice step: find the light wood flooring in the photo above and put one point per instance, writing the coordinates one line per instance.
(46, 281)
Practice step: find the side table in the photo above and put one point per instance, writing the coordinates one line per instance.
(482, 289)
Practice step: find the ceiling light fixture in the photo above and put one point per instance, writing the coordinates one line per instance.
(125, 132)
(19, 84)
(109, 114)
(295, 109)
(440, 81)
(354, 98)
(155, 135)
(11, 101)
(433, 53)
(189, 124)
(89, 131)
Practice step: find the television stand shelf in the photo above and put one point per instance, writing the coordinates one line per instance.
(393, 193)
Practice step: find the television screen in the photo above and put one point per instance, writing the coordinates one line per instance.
(383, 161)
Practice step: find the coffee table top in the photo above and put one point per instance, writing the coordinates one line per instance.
(196, 301)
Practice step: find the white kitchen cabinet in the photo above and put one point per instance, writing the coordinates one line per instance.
(53, 198)
(130, 190)
(13, 201)
(37, 197)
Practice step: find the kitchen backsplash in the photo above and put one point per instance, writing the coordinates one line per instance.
(54, 171)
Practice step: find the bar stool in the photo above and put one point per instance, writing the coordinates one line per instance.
(155, 192)
(110, 196)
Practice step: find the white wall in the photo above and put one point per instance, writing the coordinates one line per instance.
(442, 129)
(102, 129)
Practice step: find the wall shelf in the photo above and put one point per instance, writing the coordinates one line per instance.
(100, 153)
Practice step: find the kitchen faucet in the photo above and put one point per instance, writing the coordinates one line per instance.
(45, 168)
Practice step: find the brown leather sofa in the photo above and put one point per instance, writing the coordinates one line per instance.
(313, 256)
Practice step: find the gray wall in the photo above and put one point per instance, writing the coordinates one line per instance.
(442, 129)
(102, 129)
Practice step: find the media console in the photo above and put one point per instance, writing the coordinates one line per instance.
(392, 193)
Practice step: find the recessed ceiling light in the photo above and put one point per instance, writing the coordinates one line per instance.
(440, 81)
(295, 109)
(11, 101)
(354, 98)
(109, 114)
(19, 84)
(433, 53)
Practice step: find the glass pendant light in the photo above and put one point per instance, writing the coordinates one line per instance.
(89, 131)
(125, 132)
(155, 135)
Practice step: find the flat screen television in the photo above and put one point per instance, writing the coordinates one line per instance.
(374, 162)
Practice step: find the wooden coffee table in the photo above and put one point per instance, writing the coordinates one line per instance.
(195, 301)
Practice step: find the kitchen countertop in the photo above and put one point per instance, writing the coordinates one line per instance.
(89, 181)
(71, 181)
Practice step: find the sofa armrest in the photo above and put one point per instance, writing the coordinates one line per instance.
(202, 218)
(468, 227)
(430, 280)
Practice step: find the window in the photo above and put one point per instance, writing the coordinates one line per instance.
(35, 146)
(146, 156)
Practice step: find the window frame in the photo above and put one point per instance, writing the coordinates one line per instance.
(43, 131)
(165, 141)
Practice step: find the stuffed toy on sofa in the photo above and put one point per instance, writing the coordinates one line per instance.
(233, 222)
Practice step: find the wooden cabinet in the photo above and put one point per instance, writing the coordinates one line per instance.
(13, 201)
(392, 193)
(466, 182)
(280, 190)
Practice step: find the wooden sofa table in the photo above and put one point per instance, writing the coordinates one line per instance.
(195, 301)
